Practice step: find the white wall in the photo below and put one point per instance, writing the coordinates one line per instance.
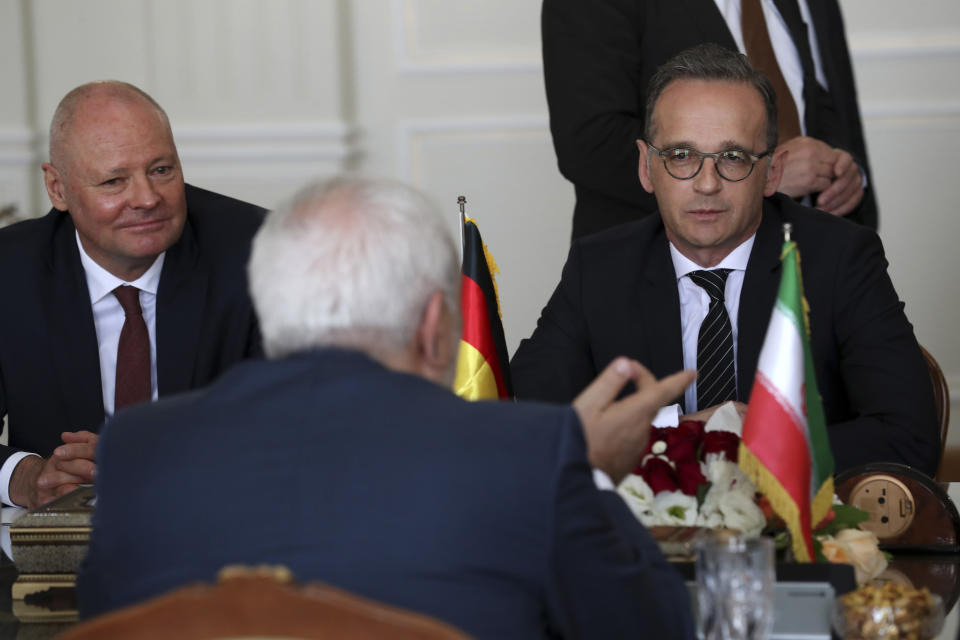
(448, 94)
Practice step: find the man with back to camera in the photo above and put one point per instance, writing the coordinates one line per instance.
(694, 285)
(124, 233)
(346, 457)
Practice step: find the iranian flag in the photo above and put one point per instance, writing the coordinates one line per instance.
(784, 448)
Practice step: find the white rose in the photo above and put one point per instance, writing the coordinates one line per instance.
(726, 418)
(726, 476)
(711, 519)
(740, 511)
(675, 508)
(638, 495)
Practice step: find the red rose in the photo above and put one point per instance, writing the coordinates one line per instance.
(657, 434)
(691, 429)
(689, 476)
(723, 442)
(683, 441)
(659, 475)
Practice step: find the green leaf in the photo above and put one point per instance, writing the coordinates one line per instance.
(702, 493)
(847, 517)
(818, 550)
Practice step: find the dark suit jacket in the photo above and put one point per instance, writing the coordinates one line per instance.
(618, 296)
(49, 363)
(482, 514)
(598, 58)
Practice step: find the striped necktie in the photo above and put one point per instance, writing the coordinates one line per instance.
(716, 375)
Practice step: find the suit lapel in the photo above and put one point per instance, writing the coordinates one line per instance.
(181, 304)
(823, 27)
(709, 22)
(659, 303)
(73, 336)
(757, 296)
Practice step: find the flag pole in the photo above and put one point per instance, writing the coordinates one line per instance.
(787, 230)
(461, 202)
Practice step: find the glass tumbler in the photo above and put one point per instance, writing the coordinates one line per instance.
(735, 587)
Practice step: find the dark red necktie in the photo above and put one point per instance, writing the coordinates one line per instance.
(133, 352)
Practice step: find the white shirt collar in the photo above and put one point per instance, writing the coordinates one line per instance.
(101, 282)
(736, 259)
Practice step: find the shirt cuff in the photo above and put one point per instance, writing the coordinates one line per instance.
(668, 416)
(6, 473)
(603, 481)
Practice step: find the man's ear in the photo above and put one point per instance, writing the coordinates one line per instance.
(643, 169)
(55, 187)
(774, 172)
(435, 341)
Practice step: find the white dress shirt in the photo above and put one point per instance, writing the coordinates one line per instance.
(694, 304)
(108, 320)
(783, 46)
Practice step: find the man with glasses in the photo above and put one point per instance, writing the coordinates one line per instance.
(694, 286)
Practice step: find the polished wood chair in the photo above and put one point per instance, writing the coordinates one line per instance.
(941, 397)
(264, 603)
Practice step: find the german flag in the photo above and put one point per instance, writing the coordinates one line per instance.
(483, 369)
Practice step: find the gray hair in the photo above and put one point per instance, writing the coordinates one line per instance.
(709, 61)
(350, 263)
(67, 109)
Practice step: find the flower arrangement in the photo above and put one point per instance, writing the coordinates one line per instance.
(688, 476)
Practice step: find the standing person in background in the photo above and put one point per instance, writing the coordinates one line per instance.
(599, 56)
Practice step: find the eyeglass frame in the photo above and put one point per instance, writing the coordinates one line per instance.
(755, 158)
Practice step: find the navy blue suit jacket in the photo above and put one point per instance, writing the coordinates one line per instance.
(618, 296)
(49, 362)
(481, 514)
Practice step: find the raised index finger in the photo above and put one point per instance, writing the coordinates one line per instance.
(605, 387)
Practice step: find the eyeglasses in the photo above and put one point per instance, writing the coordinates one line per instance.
(684, 163)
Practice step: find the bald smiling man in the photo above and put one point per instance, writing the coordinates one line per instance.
(121, 215)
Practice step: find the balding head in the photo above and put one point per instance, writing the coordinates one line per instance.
(90, 95)
(114, 167)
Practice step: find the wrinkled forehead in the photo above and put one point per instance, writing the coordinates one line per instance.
(98, 125)
(709, 115)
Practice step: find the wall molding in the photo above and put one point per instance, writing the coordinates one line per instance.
(939, 109)
(274, 141)
(409, 61)
(885, 46)
(863, 47)
(18, 146)
(408, 130)
(240, 142)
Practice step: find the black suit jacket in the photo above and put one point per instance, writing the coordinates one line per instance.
(49, 364)
(598, 58)
(482, 514)
(618, 296)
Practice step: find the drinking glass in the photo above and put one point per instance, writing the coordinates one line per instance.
(735, 587)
